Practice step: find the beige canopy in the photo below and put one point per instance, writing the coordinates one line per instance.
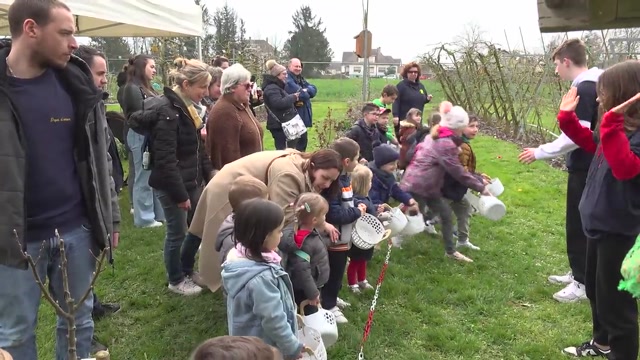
(123, 18)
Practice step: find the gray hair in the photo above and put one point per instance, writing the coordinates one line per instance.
(232, 76)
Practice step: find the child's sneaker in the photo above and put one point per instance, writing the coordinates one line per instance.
(340, 318)
(430, 228)
(467, 244)
(458, 256)
(586, 349)
(364, 285)
(342, 304)
(354, 289)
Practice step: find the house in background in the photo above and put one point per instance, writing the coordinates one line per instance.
(262, 47)
(380, 65)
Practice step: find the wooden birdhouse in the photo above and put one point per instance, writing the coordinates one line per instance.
(360, 40)
(576, 15)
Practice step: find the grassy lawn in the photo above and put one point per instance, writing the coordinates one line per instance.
(499, 307)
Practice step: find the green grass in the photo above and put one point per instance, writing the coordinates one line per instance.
(498, 307)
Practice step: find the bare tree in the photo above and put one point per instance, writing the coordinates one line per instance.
(69, 308)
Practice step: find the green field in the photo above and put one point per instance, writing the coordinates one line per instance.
(498, 307)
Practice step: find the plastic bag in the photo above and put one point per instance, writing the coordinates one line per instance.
(631, 271)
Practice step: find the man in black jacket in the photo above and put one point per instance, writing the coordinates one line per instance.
(98, 64)
(56, 176)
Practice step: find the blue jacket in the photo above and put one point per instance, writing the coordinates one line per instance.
(342, 213)
(260, 303)
(295, 84)
(385, 186)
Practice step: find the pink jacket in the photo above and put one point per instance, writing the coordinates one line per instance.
(433, 159)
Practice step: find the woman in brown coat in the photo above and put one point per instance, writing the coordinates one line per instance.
(232, 130)
(287, 174)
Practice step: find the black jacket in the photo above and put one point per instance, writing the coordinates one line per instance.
(367, 138)
(280, 105)
(91, 154)
(178, 159)
(307, 275)
(410, 95)
(610, 205)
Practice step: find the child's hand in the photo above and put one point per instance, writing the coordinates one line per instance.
(620, 109)
(333, 233)
(363, 161)
(315, 302)
(570, 100)
(363, 208)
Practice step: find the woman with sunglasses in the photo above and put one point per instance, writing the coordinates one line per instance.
(232, 129)
(411, 94)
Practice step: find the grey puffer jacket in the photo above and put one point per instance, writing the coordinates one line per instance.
(225, 241)
(307, 265)
(92, 160)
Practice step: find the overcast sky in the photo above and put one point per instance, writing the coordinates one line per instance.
(401, 28)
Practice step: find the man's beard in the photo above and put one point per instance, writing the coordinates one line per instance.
(45, 61)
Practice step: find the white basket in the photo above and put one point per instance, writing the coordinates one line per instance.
(368, 231)
(324, 321)
(495, 187)
(492, 208)
(415, 225)
(398, 221)
(312, 340)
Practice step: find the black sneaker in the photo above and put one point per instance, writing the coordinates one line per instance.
(105, 310)
(587, 349)
(96, 346)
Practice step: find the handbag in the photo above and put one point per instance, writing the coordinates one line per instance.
(293, 127)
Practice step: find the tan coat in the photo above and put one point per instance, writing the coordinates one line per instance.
(285, 178)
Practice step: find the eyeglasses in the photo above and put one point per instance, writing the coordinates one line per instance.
(247, 86)
(412, 72)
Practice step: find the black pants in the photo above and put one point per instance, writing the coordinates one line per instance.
(330, 290)
(576, 239)
(280, 140)
(614, 312)
(301, 144)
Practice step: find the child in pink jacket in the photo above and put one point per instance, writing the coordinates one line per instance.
(436, 156)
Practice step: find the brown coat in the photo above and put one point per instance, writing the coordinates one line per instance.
(232, 132)
(285, 178)
(467, 157)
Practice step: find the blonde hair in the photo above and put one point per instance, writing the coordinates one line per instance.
(216, 74)
(192, 71)
(308, 206)
(245, 188)
(361, 180)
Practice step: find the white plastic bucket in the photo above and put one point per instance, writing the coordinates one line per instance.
(415, 225)
(398, 221)
(312, 339)
(495, 187)
(324, 321)
(492, 208)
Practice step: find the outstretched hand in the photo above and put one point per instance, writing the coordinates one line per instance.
(620, 109)
(570, 100)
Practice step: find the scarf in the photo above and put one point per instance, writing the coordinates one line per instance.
(191, 108)
(271, 256)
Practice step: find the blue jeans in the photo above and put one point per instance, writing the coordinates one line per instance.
(146, 207)
(180, 249)
(20, 295)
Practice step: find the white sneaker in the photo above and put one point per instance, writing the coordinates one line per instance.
(467, 244)
(565, 279)
(430, 228)
(154, 224)
(571, 293)
(354, 289)
(342, 304)
(187, 287)
(340, 318)
(131, 211)
(364, 285)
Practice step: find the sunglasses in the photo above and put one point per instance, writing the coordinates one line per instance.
(412, 72)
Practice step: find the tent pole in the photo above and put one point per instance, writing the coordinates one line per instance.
(199, 44)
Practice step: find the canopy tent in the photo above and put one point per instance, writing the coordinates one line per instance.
(123, 18)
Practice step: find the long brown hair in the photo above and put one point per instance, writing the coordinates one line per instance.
(324, 159)
(618, 84)
(136, 68)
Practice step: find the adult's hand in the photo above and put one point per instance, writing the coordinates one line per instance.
(334, 234)
(396, 121)
(486, 192)
(185, 205)
(527, 156)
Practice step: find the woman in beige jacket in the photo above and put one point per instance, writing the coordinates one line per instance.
(287, 174)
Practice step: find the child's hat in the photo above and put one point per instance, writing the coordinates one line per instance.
(384, 111)
(384, 154)
(453, 117)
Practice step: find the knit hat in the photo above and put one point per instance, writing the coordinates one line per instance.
(384, 154)
(274, 68)
(453, 117)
